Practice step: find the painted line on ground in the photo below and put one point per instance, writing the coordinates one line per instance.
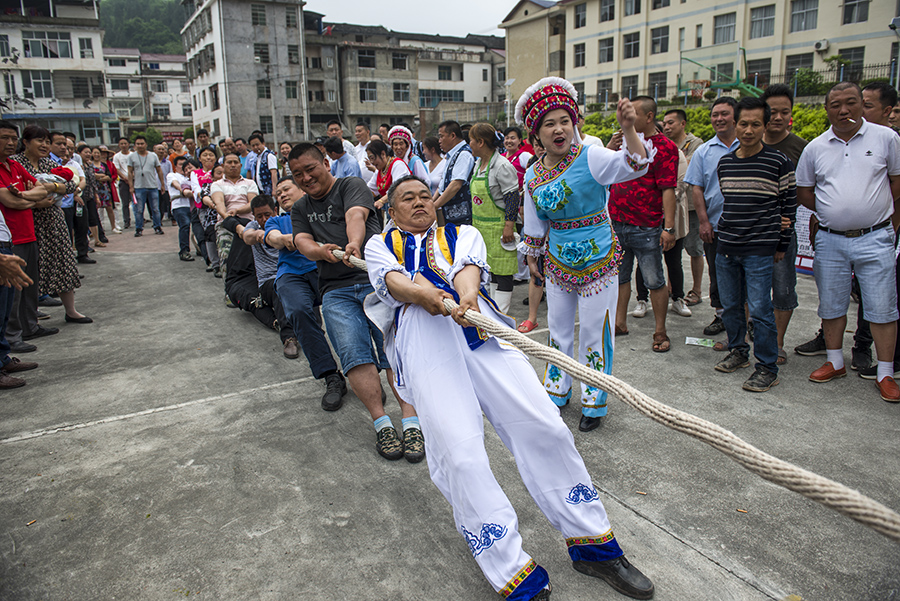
(126, 416)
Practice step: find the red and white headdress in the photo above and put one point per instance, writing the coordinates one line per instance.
(544, 96)
(398, 131)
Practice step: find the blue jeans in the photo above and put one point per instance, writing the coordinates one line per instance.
(7, 294)
(351, 333)
(143, 196)
(299, 295)
(183, 218)
(749, 277)
(642, 243)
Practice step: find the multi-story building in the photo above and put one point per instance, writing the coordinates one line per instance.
(614, 47)
(52, 66)
(245, 67)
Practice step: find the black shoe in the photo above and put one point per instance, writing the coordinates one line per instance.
(413, 445)
(619, 574)
(42, 315)
(871, 372)
(79, 319)
(761, 380)
(388, 444)
(104, 240)
(138, 233)
(543, 595)
(589, 423)
(158, 230)
(816, 346)
(862, 358)
(335, 389)
(40, 332)
(733, 361)
(22, 347)
(86, 260)
(50, 302)
(716, 327)
(217, 272)
(210, 269)
(185, 257)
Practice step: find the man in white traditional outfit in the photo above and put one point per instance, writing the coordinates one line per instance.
(452, 372)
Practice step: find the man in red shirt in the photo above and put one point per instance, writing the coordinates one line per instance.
(19, 192)
(643, 216)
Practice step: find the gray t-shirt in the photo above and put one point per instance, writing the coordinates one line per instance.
(145, 175)
(264, 256)
(323, 219)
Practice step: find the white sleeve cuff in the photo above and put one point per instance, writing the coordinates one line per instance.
(637, 162)
(470, 260)
(381, 287)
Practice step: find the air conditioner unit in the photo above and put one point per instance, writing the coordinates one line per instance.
(821, 46)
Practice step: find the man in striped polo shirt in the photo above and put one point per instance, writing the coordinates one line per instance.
(758, 185)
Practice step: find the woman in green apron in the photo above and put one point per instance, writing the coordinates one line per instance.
(495, 206)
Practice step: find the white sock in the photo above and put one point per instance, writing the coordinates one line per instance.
(885, 370)
(836, 358)
(503, 300)
(720, 312)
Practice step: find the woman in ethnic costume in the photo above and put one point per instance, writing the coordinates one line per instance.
(566, 221)
(388, 169)
(400, 140)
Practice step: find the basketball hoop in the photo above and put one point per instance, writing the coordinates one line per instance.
(697, 86)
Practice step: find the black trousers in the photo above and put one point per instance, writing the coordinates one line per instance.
(710, 251)
(270, 298)
(23, 318)
(78, 228)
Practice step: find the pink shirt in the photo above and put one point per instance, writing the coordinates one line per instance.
(236, 193)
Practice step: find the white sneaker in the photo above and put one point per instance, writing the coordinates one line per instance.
(680, 308)
(116, 231)
(640, 310)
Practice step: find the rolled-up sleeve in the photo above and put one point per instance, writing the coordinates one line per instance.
(616, 166)
(380, 262)
(470, 250)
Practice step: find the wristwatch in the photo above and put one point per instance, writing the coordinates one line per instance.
(669, 230)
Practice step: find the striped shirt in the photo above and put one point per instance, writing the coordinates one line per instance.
(758, 191)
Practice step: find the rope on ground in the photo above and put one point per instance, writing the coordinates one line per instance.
(832, 494)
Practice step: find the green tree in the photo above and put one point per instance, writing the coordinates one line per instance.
(149, 25)
(153, 136)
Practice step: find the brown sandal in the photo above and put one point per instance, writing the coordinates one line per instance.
(692, 298)
(659, 340)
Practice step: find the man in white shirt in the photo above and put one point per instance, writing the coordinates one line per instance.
(363, 135)
(120, 162)
(178, 185)
(231, 195)
(850, 175)
(453, 195)
(334, 130)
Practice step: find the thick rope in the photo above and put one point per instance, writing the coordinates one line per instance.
(813, 486)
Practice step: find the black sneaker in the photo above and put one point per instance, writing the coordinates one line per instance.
(862, 358)
(40, 332)
(138, 233)
(761, 380)
(158, 230)
(413, 445)
(734, 361)
(185, 257)
(335, 389)
(388, 444)
(716, 327)
(871, 372)
(816, 346)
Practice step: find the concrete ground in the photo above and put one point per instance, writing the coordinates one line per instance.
(168, 450)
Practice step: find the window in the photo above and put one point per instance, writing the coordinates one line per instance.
(501, 74)
(659, 40)
(798, 61)
(762, 21)
(263, 88)
(632, 7)
(195, 102)
(604, 89)
(431, 98)
(629, 85)
(185, 87)
(152, 66)
(293, 54)
(47, 44)
(257, 14)
(4, 45)
(366, 59)
(266, 124)
(314, 62)
(291, 90)
(367, 91)
(116, 62)
(290, 20)
(186, 110)
(86, 47)
(80, 88)
(399, 61)
(261, 53)
(462, 72)
(605, 47)
(330, 95)
(203, 94)
(445, 73)
(329, 62)
(91, 129)
(660, 4)
(215, 128)
(699, 42)
(657, 84)
(37, 84)
(607, 10)
(161, 111)
(118, 85)
(632, 45)
(804, 14)
(315, 95)
(401, 92)
(579, 91)
(580, 15)
(856, 56)
(159, 85)
(214, 96)
(9, 84)
(484, 75)
(723, 28)
(680, 39)
(856, 11)
(298, 126)
(578, 55)
(725, 72)
(759, 71)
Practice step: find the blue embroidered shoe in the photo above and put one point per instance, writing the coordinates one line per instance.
(619, 574)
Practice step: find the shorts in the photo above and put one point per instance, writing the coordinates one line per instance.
(784, 279)
(356, 340)
(640, 242)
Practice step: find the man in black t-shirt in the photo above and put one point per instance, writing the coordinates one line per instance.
(340, 214)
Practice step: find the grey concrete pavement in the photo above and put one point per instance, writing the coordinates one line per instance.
(168, 450)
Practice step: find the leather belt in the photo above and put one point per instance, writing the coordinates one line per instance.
(5, 244)
(857, 233)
